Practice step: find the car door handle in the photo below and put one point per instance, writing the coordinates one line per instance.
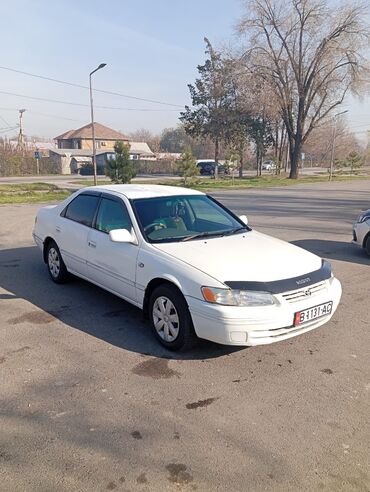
(57, 228)
(91, 244)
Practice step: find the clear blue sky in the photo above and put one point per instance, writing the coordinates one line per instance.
(151, 48)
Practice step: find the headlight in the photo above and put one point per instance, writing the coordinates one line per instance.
(364, 216)
(229, 297)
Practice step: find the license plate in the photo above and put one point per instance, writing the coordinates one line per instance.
(313, 313)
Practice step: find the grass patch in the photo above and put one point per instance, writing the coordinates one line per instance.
(209, 184)
(90, 182)
(23, 187)
(33, 197)
(31, 193)
(45, 192)
(265, 182)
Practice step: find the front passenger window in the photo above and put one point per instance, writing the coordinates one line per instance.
(112, 215)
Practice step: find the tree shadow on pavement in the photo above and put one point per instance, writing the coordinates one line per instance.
(86, 307)
(335, 250)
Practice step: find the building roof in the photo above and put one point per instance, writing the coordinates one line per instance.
(73, 152)
(168, 155)
(79, 152)
(101, 132)
(44, 145)
(140, 148)
(81, 158)
(145, 190)
(34, 145)
(64, 135)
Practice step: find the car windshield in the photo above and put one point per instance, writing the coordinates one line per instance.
(184, 218)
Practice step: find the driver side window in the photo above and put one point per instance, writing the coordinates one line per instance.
(112, 215)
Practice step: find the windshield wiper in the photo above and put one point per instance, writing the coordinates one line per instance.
(201, 234)
(218, 233)
(234, 231)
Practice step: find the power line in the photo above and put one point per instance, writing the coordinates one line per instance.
(54, 116)
(360, 126)
(86, 87)
(58, 101)
(4, 120)
(4, 130)
(44, 114)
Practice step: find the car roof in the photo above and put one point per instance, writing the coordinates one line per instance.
(133, 191)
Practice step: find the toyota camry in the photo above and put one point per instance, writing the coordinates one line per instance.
(194, 267)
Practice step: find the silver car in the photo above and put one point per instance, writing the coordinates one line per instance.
(361, 231)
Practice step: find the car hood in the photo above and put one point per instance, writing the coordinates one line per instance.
(250, 256)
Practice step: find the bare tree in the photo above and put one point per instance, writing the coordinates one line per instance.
(319, 145)
(310, 54)
(144, 135)
(255, 110)
(177, 140)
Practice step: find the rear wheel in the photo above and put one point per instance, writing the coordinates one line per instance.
(170, 318)
(56, 267)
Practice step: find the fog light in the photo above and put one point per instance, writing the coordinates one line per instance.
(238, 336)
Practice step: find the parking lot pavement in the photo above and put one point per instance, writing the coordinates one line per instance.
(89, 401)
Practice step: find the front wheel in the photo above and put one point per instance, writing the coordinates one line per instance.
(367, 245)
(56, 267)
(170, 318)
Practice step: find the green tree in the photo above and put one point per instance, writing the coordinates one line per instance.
(339, 164)
(261, 135)
(120, 169)
(188, 166)
(354, 161)
(238, 140)
(212, 97)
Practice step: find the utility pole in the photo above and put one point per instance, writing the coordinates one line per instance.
(102, 65)
(333, 144)
(20, 143)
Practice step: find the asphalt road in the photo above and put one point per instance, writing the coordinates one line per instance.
(90, 402)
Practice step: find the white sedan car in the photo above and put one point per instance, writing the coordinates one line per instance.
(269, 166)
(195, 268)
(361, 231)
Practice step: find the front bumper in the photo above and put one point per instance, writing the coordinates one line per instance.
(359, 231)
(250, 326)
(38, 240)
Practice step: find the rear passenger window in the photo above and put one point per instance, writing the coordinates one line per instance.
(82, 209)
(112, 215)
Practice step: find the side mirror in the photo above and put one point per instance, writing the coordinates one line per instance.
(244, 219)
(122, 236)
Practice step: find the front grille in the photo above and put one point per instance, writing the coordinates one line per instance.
(305, 292)
(354, 236)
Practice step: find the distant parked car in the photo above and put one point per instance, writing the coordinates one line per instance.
(207, 168)
(361, 231)
(268, 166)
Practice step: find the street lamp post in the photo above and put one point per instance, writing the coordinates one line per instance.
(333, 146)
(102, 65)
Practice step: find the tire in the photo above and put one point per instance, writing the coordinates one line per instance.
(178, 333)
(367, 245)
(56, 267)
